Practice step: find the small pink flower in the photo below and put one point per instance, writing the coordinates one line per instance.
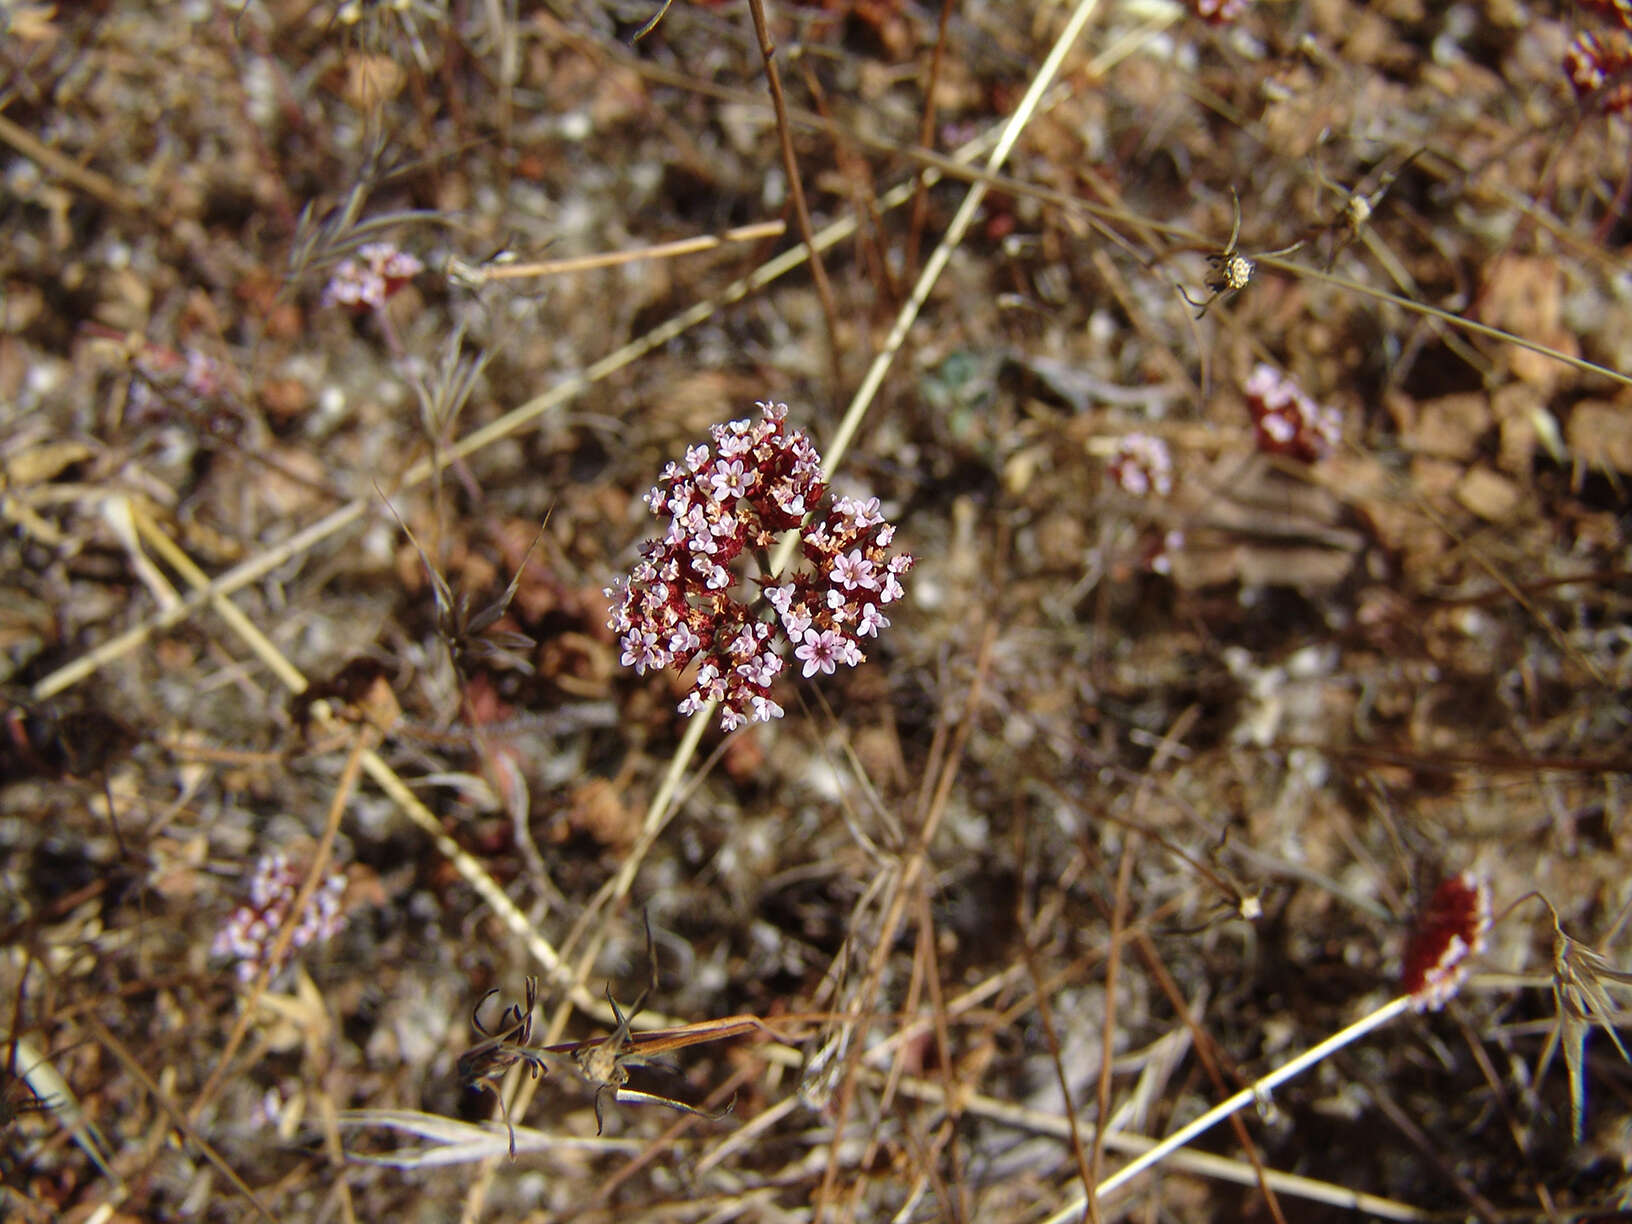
(760, 671)
(728, 480)
(249, 933)
(1218, 12)
(820, 652)
(852, 570)
(642, 652)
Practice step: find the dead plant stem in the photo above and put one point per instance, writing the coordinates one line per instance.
(796, 188)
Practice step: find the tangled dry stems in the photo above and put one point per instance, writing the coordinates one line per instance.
(1359, 672)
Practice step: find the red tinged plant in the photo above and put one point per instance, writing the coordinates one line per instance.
(1450, 929)
(1610, 10)
(1288, 422)
(680, 604)
(1141, 465)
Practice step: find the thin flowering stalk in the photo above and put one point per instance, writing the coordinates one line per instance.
(1256, 1091)
(680, 606)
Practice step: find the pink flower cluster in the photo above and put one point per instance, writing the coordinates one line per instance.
(1288, 422)
(1141, 465)
(251, 930)
(1218, 12)
(680, 606)
(1601, 67)
(378, 272)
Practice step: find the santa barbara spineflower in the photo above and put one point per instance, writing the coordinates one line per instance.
(681, 605)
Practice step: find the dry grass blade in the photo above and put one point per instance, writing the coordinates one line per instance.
(48, 1092)
(454, 1142)
(184, 1126)
(496, 271)
(1256, 1091)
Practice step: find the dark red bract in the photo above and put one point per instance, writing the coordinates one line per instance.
(1450, 929)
